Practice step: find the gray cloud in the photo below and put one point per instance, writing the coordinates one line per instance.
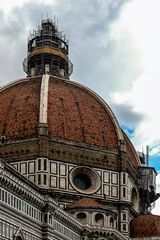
(86, 25)
(128, 116)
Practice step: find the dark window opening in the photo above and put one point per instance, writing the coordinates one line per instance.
(124, 227)
(82, 181)
(45, 217)
(124, 217)
(124, 192)
(45, 164)
(39, 164)
(99, 219)
(3, 139)
(44, 179)
(82, 217)
(18, 238)
(39, 179)
(124, 178)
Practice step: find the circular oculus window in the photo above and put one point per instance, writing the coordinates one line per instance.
(85, 180)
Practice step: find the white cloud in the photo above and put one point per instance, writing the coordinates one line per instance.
(156, 209)
(7, 5)
(141, 20)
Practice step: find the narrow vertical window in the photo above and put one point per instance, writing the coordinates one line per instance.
(20, 204)
(14, 202)
(27, 209)
(45, 217)
(2, 195)
(124, 178)
(39, 179)
(9, 196)
(124, 217)
(3, 139)
(11, 200)
(39, 164)
(124, 227)
(5, 197)
(45, 164)
(124, 192)
(44, 179)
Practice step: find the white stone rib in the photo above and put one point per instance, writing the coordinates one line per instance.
(44, 99)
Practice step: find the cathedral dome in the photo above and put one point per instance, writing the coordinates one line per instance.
(146, 226)
(68, 110)
(73, 112)
(48, 104)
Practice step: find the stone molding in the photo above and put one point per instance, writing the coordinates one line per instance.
(103, 232)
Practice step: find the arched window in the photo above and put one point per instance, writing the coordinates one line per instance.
(99, 219)
(3, 139)
(82, 217)
(19, 238)
(134, 199)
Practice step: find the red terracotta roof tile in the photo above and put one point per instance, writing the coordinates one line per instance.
(145, 226)
(131, 153)
(19, 110)
(86, 203)
(75, 114)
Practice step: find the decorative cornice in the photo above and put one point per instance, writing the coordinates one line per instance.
(108, 233)
(67, 220)
(16, 185)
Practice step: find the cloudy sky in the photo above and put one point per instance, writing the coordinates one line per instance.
(115, 49)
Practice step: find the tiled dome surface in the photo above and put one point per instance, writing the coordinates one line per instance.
(146, 226)
(74, 113)
(130, 151)
(19, 109)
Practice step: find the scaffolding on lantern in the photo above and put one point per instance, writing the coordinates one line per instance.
(47, 52)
